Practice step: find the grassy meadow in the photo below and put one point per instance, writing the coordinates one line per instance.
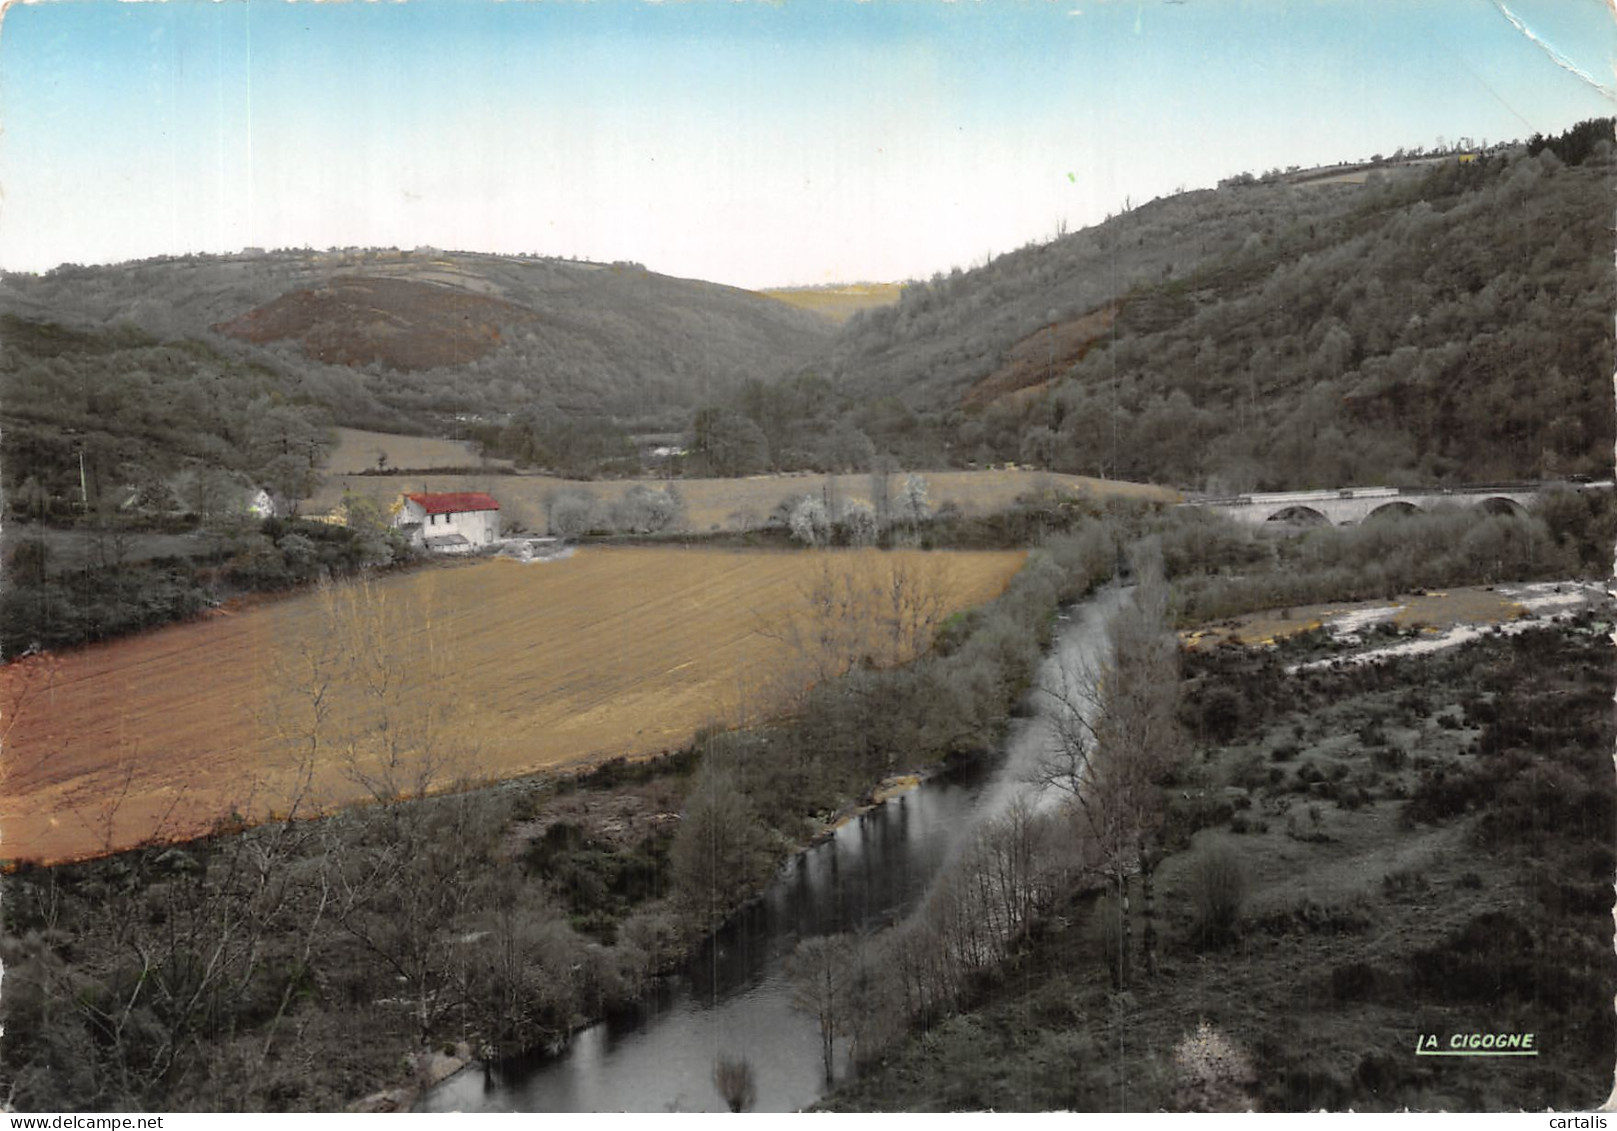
(358, 450)
(840, 302)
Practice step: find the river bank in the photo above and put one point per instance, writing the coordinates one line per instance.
(875, 861)
(606, 816)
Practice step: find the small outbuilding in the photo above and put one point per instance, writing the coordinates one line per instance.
(455, 522)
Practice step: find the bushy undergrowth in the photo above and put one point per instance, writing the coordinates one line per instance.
(1482, 904)
(110, 597)
(292, 966)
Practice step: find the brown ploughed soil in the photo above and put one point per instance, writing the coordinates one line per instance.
(469, 673)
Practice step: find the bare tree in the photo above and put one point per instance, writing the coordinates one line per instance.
(861, 607)
(156, 983)
(881, 491)
(733, 1077)
(912, 606)
(1115, 735)
(375, 693)
(914, 495)
(857, 520)
(819, 972)
(718, 851)
(382, 691)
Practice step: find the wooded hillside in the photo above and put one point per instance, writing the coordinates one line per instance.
(1446, 321)
(116, 421)
(1441, 323)
(409, 339)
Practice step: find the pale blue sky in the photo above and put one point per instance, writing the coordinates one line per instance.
(800, 142)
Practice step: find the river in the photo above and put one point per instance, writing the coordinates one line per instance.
(735, 997)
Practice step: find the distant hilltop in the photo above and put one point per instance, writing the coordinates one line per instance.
(1358, 172)
(838, 301)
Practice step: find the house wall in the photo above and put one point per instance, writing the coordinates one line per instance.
(408, 513)
(480, 528)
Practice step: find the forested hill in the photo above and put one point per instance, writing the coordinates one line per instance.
(1444, 321)
(433, 334)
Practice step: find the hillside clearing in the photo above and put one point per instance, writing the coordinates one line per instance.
(838, 302)
(472, 673)
(358, 450)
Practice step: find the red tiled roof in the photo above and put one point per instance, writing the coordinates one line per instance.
(455, 502)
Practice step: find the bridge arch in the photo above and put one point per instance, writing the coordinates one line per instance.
(1502, 504)
(1397, 508)
(1295, 514)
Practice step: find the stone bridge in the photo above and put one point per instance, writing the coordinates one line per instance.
(1355, 504)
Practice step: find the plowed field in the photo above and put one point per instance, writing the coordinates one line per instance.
(461, 674)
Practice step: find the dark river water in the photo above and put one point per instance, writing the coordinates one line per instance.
(735, 997)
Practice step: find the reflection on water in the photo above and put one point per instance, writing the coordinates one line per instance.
(735, 997)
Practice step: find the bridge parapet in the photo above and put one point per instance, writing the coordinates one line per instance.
(1355, 504)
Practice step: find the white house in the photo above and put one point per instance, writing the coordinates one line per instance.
(454, 523)
(261, 504)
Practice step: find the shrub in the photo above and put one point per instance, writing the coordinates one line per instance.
(1442, 795)
(1492, 957)
(1249, 773)
(1218, 892)
(1220, 716)
(1311, 917)
(1356, 981)
(1380, 1072)
(732, 1076)
(1200, 811)
(1405, 881)
(1351, 799)
(1388, 757)
(1371, 734)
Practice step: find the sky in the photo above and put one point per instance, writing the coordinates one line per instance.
(755, 143)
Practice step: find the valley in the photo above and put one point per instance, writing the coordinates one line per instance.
(850, 641)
